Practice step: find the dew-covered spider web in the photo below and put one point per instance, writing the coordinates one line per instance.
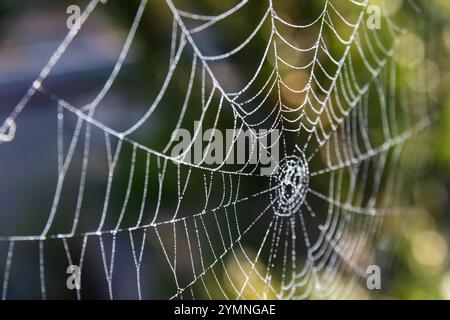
(328, 100)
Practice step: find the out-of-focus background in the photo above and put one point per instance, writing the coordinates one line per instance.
(30, 32)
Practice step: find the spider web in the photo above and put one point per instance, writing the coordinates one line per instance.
(226, 230)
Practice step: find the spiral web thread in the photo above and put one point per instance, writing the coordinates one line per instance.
(312, 242)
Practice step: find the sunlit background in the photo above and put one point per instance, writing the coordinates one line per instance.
(30, 31)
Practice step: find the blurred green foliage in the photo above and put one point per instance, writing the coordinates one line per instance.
(420, 268)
